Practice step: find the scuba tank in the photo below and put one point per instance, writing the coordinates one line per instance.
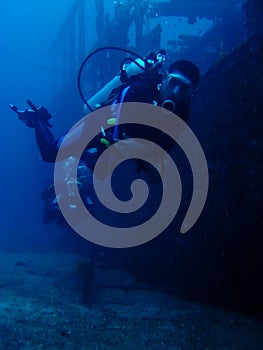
(129, 70)
(116, 89)
(130, 67)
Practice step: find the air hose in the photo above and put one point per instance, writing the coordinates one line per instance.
(106, 48)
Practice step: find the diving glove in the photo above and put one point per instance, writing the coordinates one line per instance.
(33, 114)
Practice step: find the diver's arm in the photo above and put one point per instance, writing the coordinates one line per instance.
(38, 118)
(46, 142)
(49, 146)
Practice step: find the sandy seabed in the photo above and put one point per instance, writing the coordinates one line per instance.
(44, 304)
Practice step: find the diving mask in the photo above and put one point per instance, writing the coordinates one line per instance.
(176, 88)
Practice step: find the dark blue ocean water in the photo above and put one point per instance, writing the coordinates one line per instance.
(42, 48)
(27, 31)
(30, 69)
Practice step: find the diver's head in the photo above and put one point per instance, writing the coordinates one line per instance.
(179, 84)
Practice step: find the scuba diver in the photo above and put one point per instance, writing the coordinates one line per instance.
(171, 89)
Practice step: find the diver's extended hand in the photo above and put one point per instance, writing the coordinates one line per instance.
(33, 114)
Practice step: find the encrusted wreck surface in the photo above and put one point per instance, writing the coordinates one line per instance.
(220, 259)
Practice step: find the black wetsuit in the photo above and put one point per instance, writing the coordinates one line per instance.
(142, 88)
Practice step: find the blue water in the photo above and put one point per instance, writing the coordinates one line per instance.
(28, 30)
(28, 70)
(32, 66)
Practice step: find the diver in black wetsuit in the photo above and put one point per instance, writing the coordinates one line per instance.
(172, 90)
